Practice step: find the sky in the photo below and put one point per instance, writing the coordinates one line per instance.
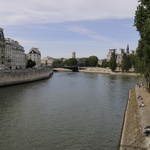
(60, 27)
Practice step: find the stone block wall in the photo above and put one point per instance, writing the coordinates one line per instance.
(8, 77)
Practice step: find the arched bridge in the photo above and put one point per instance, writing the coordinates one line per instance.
(73, 68)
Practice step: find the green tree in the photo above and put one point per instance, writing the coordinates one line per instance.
(30, 63)
(142, 24)
(126, 62)
(133, 59)
(93, 61)
(105, 64)
(86, 62)
(112, 63)
(57, 63)
(71, 62)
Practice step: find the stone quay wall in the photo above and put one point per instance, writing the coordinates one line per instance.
(9, 77)
(132, 131)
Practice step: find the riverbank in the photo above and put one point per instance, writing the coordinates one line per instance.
(97, 70)
(135, 120)
(10, 77)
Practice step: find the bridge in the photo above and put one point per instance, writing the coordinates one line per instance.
(73, 68)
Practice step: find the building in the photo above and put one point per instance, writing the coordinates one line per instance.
(35, 55)
(2, 49)
(73, 54)
(47, 61)
(109, 53)
(120, 55)
(14, 54)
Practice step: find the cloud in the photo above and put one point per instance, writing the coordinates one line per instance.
(86, 32)
(51, 11)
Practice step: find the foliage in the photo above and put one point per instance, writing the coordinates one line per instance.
(126, 62)
(92, 60)
(142, 23)
(71, 62)
(112, 63)
(57, 63)
(105, 64)
(86, 63)
(30, 63)
(133, 59)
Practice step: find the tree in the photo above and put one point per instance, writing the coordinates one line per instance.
(105, 64)
(30, 63)
(57, 63)
(112, 63)
(126, 62)
(92, 60)
(142, 24)
(71, 62)
(86, 62)
(132, 59)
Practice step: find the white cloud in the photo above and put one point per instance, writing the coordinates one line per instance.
(49, 11)
(87, 32)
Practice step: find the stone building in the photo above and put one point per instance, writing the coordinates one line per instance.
(119, 55)
(14, 54)
(73, 54)
(47, 61)
(109, 53)
(2, 49)
(35, 55)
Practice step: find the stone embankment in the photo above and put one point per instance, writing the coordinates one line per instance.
(9, 77)
(135, 120)
(98, 70)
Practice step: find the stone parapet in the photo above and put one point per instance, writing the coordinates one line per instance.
(9, 77)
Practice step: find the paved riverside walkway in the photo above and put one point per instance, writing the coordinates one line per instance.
(136, 119)
(144, 111)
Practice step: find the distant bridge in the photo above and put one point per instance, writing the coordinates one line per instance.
(73, 68)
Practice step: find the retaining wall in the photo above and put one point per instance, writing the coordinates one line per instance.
(8, 77)
(132, 134)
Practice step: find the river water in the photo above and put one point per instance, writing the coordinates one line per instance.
(68, 111)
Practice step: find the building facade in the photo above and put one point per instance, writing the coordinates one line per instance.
(110, 53)
(120, 55)
(35, 55)
(47, 61)
(73, 54)
(14, 54)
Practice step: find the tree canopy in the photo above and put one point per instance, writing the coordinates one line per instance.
(92, 61)
(112, 63)
(71, 62)
(30, 63)
(142, 24)
(57, 63)
(126, 62)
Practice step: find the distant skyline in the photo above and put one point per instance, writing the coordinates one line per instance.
(60, 27)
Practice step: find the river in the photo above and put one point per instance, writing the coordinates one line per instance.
(68, 111)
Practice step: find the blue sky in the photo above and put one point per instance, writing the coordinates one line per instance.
(60, 27)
